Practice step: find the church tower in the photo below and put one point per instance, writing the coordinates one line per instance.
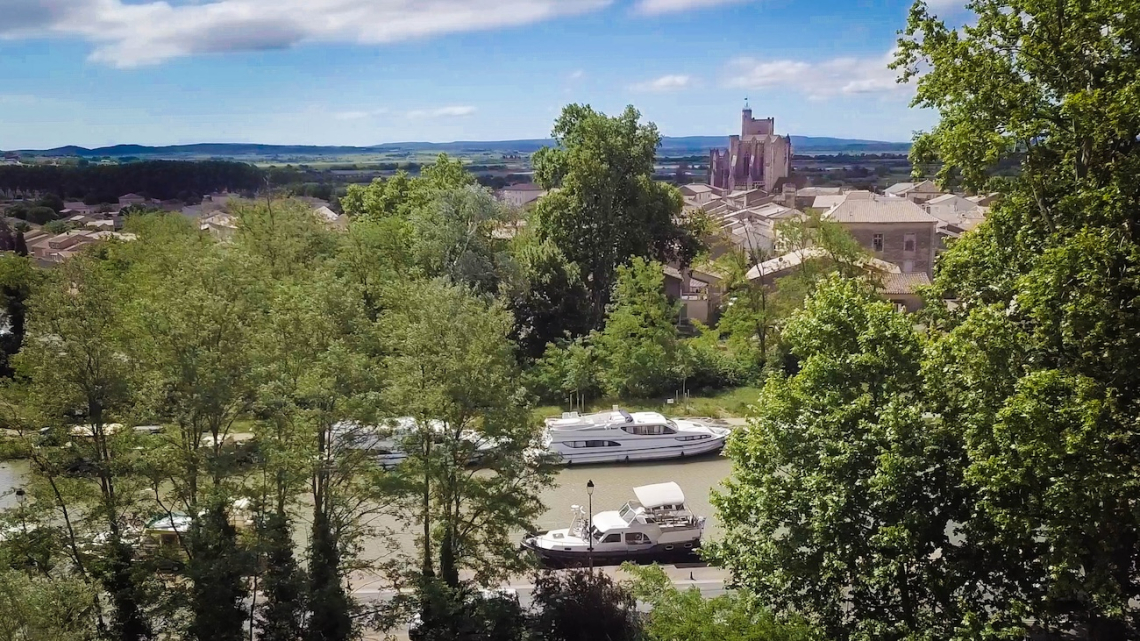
(756, 158)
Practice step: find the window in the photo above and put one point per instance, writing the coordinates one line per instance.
(592, 444)
(636, 538)
(910, 241)
(628, 514)
(694, 437)
(908, 266)
(613, 538)
(877, 243)
(648, 430)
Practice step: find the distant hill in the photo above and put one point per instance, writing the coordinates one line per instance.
(670, 145)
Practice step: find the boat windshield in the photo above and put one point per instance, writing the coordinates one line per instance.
(671, 424)
(628, 513)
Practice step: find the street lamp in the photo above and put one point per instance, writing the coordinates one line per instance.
(22, 499)
(590, 528)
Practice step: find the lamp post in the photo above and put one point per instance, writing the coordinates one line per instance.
(22, 499)
(590, 527)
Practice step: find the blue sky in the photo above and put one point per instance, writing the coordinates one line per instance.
(361, 72)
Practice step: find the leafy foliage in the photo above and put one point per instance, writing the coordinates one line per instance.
(638, 346)
(582, 606)
(843, 493)
(470, 481)
(1044, 335)
(607, 209)
(675, 614)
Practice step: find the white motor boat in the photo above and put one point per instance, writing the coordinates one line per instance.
(385, 443)
(657, 527)
(619, 436)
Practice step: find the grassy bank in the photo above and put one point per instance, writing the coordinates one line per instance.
(720, 404)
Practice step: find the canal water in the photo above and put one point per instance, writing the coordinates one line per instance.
(613, 486)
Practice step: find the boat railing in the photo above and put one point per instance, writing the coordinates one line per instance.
(578, 522)
(671, 518)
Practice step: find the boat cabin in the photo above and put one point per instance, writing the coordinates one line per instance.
(658, 508)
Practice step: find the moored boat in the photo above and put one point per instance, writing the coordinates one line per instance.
(385, 443)
(657, 527)
(619, 436)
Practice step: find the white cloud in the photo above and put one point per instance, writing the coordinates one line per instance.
(817, 80)
(359, 115)
(140, 33)
(442, 112)
(656, 7)
(664, 83)
(577, 75)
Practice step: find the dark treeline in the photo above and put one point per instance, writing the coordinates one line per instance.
(161, 179)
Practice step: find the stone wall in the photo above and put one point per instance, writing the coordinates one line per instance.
(894, 237)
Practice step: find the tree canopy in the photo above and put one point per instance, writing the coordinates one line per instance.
(605, 207)
(1037, 362)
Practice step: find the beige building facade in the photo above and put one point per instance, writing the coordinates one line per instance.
(891, 229)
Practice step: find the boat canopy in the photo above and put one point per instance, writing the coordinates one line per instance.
(176, 522)
(658, 495)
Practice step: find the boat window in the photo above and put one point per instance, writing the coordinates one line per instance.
(628, 514)
(579, 444)
(613, 538)
(649, 430)
(636, 537)
(693, 437)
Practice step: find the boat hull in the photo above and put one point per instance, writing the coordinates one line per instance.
(673, 553)
(590, 456)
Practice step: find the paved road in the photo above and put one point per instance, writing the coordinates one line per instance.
(710, 581)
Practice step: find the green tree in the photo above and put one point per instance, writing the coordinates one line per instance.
(45, 609)
(1045, 326)
(759, 303)
(280, 616)
(638, 347)
(471, 481)
(321, 369)
(57, 226)
(607, 209)
(676, 614)
(843, 492)
(52, 201)
(195, 306)
(453, 236)
(217, 573)
(469, 613)
(74, 366)
(17, 280)
(546, 297)
(584, 606)
(402, 194)
(566, 372)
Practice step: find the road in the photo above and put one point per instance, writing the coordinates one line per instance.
(709, 580)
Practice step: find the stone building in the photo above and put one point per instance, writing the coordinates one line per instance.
(892, 229)
(757, 158)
